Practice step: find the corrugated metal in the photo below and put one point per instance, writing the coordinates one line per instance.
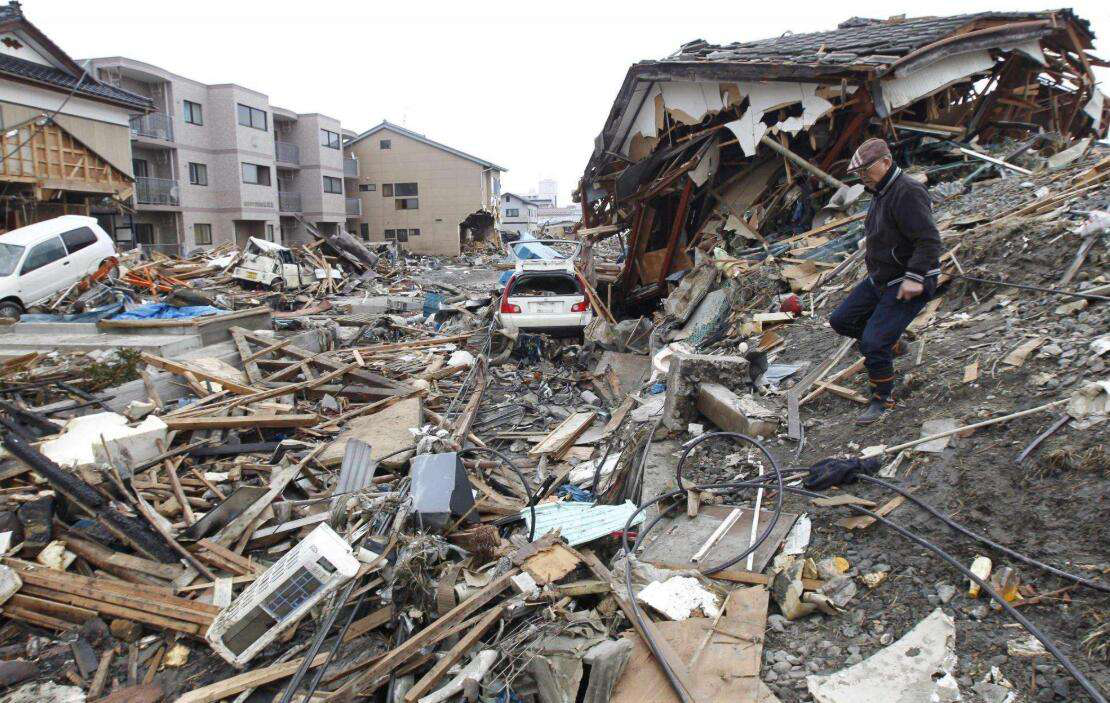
(578, 522)
(357, 470)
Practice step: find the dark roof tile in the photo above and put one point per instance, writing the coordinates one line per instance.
(90, 87)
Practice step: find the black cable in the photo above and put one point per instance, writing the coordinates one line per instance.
(523, 481)
(777, 512)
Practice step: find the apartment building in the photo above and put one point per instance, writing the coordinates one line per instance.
(518, 214)
(219, 163)
(419, 192)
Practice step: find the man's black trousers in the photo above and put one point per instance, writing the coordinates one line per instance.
(874, 316)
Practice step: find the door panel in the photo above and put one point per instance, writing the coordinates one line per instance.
(45, 270)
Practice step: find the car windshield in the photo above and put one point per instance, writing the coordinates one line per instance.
(9, 257)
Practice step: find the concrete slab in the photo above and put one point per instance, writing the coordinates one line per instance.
(379, 304)
(25, 337)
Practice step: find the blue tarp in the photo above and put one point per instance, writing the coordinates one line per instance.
(94, 315)
(528, 248)
(162, 311)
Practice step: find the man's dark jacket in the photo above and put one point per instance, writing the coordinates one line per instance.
(902, 239)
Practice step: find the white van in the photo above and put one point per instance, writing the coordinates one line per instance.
(40, 260)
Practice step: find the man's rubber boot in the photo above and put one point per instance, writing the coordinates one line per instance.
(900, 348)
(882, 394)
(874, 412)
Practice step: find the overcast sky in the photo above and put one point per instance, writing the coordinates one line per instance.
(525, 85)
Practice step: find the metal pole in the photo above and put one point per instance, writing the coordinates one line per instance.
(802, 162)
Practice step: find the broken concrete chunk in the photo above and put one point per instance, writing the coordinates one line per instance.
(687, 372)
(734, 413)
(105, 437)
(607, 661)
(922, 663)
(1026, 647)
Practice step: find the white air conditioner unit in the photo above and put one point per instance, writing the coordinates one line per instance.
(318, 565)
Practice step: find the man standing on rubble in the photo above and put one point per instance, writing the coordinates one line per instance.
(902, 254)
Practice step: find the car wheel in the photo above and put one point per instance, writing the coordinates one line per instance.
(10, 308)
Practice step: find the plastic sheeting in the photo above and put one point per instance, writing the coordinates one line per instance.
(93, 315)
(162, 311)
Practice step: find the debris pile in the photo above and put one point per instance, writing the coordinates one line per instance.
(335, 473)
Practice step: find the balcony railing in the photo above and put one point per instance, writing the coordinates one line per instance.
(156, 125)
(287, 153)
(354, 206)
(350, 168)
(289, 202)
(157, 191)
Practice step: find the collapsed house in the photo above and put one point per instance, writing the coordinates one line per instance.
(764, 129)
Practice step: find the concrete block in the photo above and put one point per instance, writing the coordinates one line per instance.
(733, 413)
(687, 372)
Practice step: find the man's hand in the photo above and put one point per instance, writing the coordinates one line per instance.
(910, 290)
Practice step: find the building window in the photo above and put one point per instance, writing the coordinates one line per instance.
(414, 232)
(194, 114)
(252, 117)
(364, 230)
(385, 144)
(512, 212)
(258, 175)
(141, 167)
(391, 234)
(198, 174)
(387, 190)
(407, 203)
(402, 235)
(367, 187)
(202, 233)
(329, 139)
(333, 185)
(405, 189)
(270, 233)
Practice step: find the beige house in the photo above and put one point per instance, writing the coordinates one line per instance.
(416, 191)
(219, 163)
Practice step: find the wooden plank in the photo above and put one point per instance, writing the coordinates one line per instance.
(724, 655)
(250, 366)
(372, 621)
(562, 437)
(111, 560)
(685, 687)
(370, 680)
(118, 611)
(858, 522)
(241, 421)
(453, 655)
(182, 369)
(251, 679)
(69, 613)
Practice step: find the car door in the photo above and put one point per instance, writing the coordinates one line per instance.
(45, 271)
(83, 253)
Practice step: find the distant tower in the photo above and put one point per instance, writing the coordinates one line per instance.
(549, 188)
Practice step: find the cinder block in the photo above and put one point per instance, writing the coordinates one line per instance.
(687, 372)
(733, 413)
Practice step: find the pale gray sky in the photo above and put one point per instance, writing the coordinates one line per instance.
(525, 85)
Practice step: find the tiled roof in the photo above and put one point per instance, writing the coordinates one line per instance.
(90, 87)
(858, 40)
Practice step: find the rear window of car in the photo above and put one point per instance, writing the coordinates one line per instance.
(78, 239)
(539, 285)
(42, 254)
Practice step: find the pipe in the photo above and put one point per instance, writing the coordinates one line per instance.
(775, 146)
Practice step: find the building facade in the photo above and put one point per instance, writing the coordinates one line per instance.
(63, 133)
(518, 214)
(418, 192)
(219, 164)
